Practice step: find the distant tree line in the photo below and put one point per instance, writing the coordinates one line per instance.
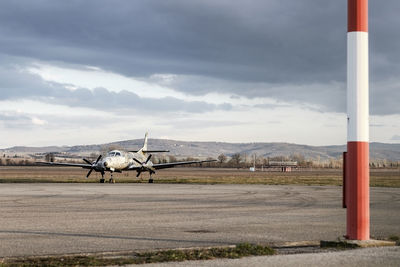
(14, 162)
(236, 160)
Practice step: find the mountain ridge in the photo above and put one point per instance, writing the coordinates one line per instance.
(378, 151)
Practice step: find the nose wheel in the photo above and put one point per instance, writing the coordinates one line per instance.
(102, 180)
(111, 181)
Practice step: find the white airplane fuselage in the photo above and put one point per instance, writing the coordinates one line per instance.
(117, 160)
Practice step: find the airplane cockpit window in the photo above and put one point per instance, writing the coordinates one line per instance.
(114, 154)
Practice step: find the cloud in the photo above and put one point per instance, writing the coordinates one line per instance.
(205, 123)
(283, 49)
(37, 121)
(224, 39)
(138, 64)
(385, 97)
(124, 101)
(18, 84)
(395, 137)
(12, 119)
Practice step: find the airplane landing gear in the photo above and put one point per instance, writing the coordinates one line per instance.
(111, 181)
(151, 180)
(102, 180)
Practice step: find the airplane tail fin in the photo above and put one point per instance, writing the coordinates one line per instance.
(144, 148)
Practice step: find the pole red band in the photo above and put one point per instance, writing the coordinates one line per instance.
(357, 16)
(358, 224)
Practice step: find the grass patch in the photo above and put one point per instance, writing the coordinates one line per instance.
(338, 244)
(37, 180)
(395, 238)
(317, 177)
(239, 251)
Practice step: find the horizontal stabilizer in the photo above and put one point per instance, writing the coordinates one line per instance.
(170, 165)
(150, 151)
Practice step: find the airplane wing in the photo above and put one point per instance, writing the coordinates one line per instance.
(149, 151)
(170, 165)
(173, 164)
(85, 166)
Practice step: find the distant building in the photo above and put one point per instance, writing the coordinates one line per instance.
(284, 166)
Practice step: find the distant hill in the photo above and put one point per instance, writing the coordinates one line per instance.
(378, 151)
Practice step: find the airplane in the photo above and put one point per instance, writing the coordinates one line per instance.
(118, 161)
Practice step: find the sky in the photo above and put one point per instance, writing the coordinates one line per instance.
(96, 71)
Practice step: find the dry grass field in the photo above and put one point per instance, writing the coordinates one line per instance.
(15, 174)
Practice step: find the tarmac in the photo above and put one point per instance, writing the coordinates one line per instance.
(53, 219)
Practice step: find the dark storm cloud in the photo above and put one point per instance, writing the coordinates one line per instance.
(328, 96)
(13, 119)
(385, 97)
(12, 116)
(16, 84)
(205, 123)
(101, 98)
(258, 45)
(270, 41)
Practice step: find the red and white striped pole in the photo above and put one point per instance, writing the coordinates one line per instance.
(357, 122)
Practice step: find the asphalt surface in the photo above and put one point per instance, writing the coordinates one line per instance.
(45, 219)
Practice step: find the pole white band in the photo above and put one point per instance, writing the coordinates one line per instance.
(357, 87)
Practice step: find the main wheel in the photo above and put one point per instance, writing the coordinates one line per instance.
(102, 180)
(151, 180)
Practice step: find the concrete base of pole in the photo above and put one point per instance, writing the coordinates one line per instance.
(345, 243)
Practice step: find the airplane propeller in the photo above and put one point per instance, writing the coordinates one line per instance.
(93, 165)
(144, 166)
